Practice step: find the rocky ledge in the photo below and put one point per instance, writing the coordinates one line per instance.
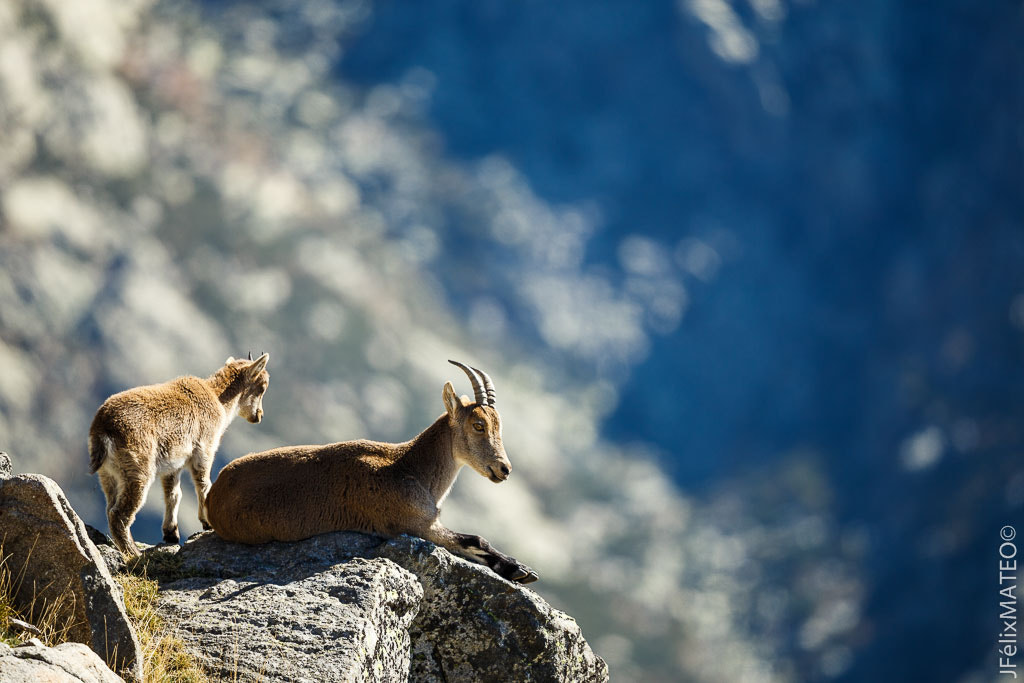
(351, 607)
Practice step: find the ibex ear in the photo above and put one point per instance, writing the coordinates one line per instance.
(259, 364)
(451, 400)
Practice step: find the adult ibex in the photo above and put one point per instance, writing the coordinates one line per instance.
(291, 493)
(157, 430)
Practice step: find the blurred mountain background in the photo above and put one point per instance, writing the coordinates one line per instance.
(747, 275)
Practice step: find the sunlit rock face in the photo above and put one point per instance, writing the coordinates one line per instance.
(65, 663)
(346, 606)
(55, 572)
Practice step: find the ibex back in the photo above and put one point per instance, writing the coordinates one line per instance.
(291, 493)
(157, 430)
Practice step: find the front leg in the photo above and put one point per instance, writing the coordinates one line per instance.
(477, 549)
(502, 564)
(199, 467)
(172, 497)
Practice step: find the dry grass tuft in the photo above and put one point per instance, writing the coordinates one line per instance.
(53, 618)
(165, 659)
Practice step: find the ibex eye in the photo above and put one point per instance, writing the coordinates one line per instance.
(478, 427)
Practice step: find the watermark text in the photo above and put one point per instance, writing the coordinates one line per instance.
(1007, 645)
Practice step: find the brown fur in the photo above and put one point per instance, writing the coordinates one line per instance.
(158, 430)
(291, 493)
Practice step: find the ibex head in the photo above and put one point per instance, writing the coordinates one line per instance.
(253, 380)
(476, 427)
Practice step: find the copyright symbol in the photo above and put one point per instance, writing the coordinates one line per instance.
(1008, 533)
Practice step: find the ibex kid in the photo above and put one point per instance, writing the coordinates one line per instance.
(291, 493)
(157, 430)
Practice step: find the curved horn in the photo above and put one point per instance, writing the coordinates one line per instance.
(488, 386)
(480, 394)
(250, 355)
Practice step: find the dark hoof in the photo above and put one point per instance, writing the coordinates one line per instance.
(518, 573)
(529, 578)
(171, 537)
(523, 574)
(206, 526)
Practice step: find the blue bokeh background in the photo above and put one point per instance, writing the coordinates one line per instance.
(863, 174)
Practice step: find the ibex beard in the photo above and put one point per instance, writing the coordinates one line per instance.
(155, 431)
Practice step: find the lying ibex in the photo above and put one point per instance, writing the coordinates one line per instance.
(157, 430)
(291, 493)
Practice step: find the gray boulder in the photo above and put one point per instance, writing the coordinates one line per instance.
(475, 626)
(66, 663)
(47, 541)
(350, 607)
(289, 612)
(349, 622)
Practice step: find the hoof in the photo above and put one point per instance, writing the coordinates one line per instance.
(518, 573)
(529, 578)
(172, 537)
(207, 527)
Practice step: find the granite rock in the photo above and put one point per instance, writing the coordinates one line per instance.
(66, 663)
(48, 545)
(346, 606)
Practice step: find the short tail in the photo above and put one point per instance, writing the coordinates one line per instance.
(99, 445)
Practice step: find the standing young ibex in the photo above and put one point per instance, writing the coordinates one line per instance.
(158, 430)
(291, 493)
